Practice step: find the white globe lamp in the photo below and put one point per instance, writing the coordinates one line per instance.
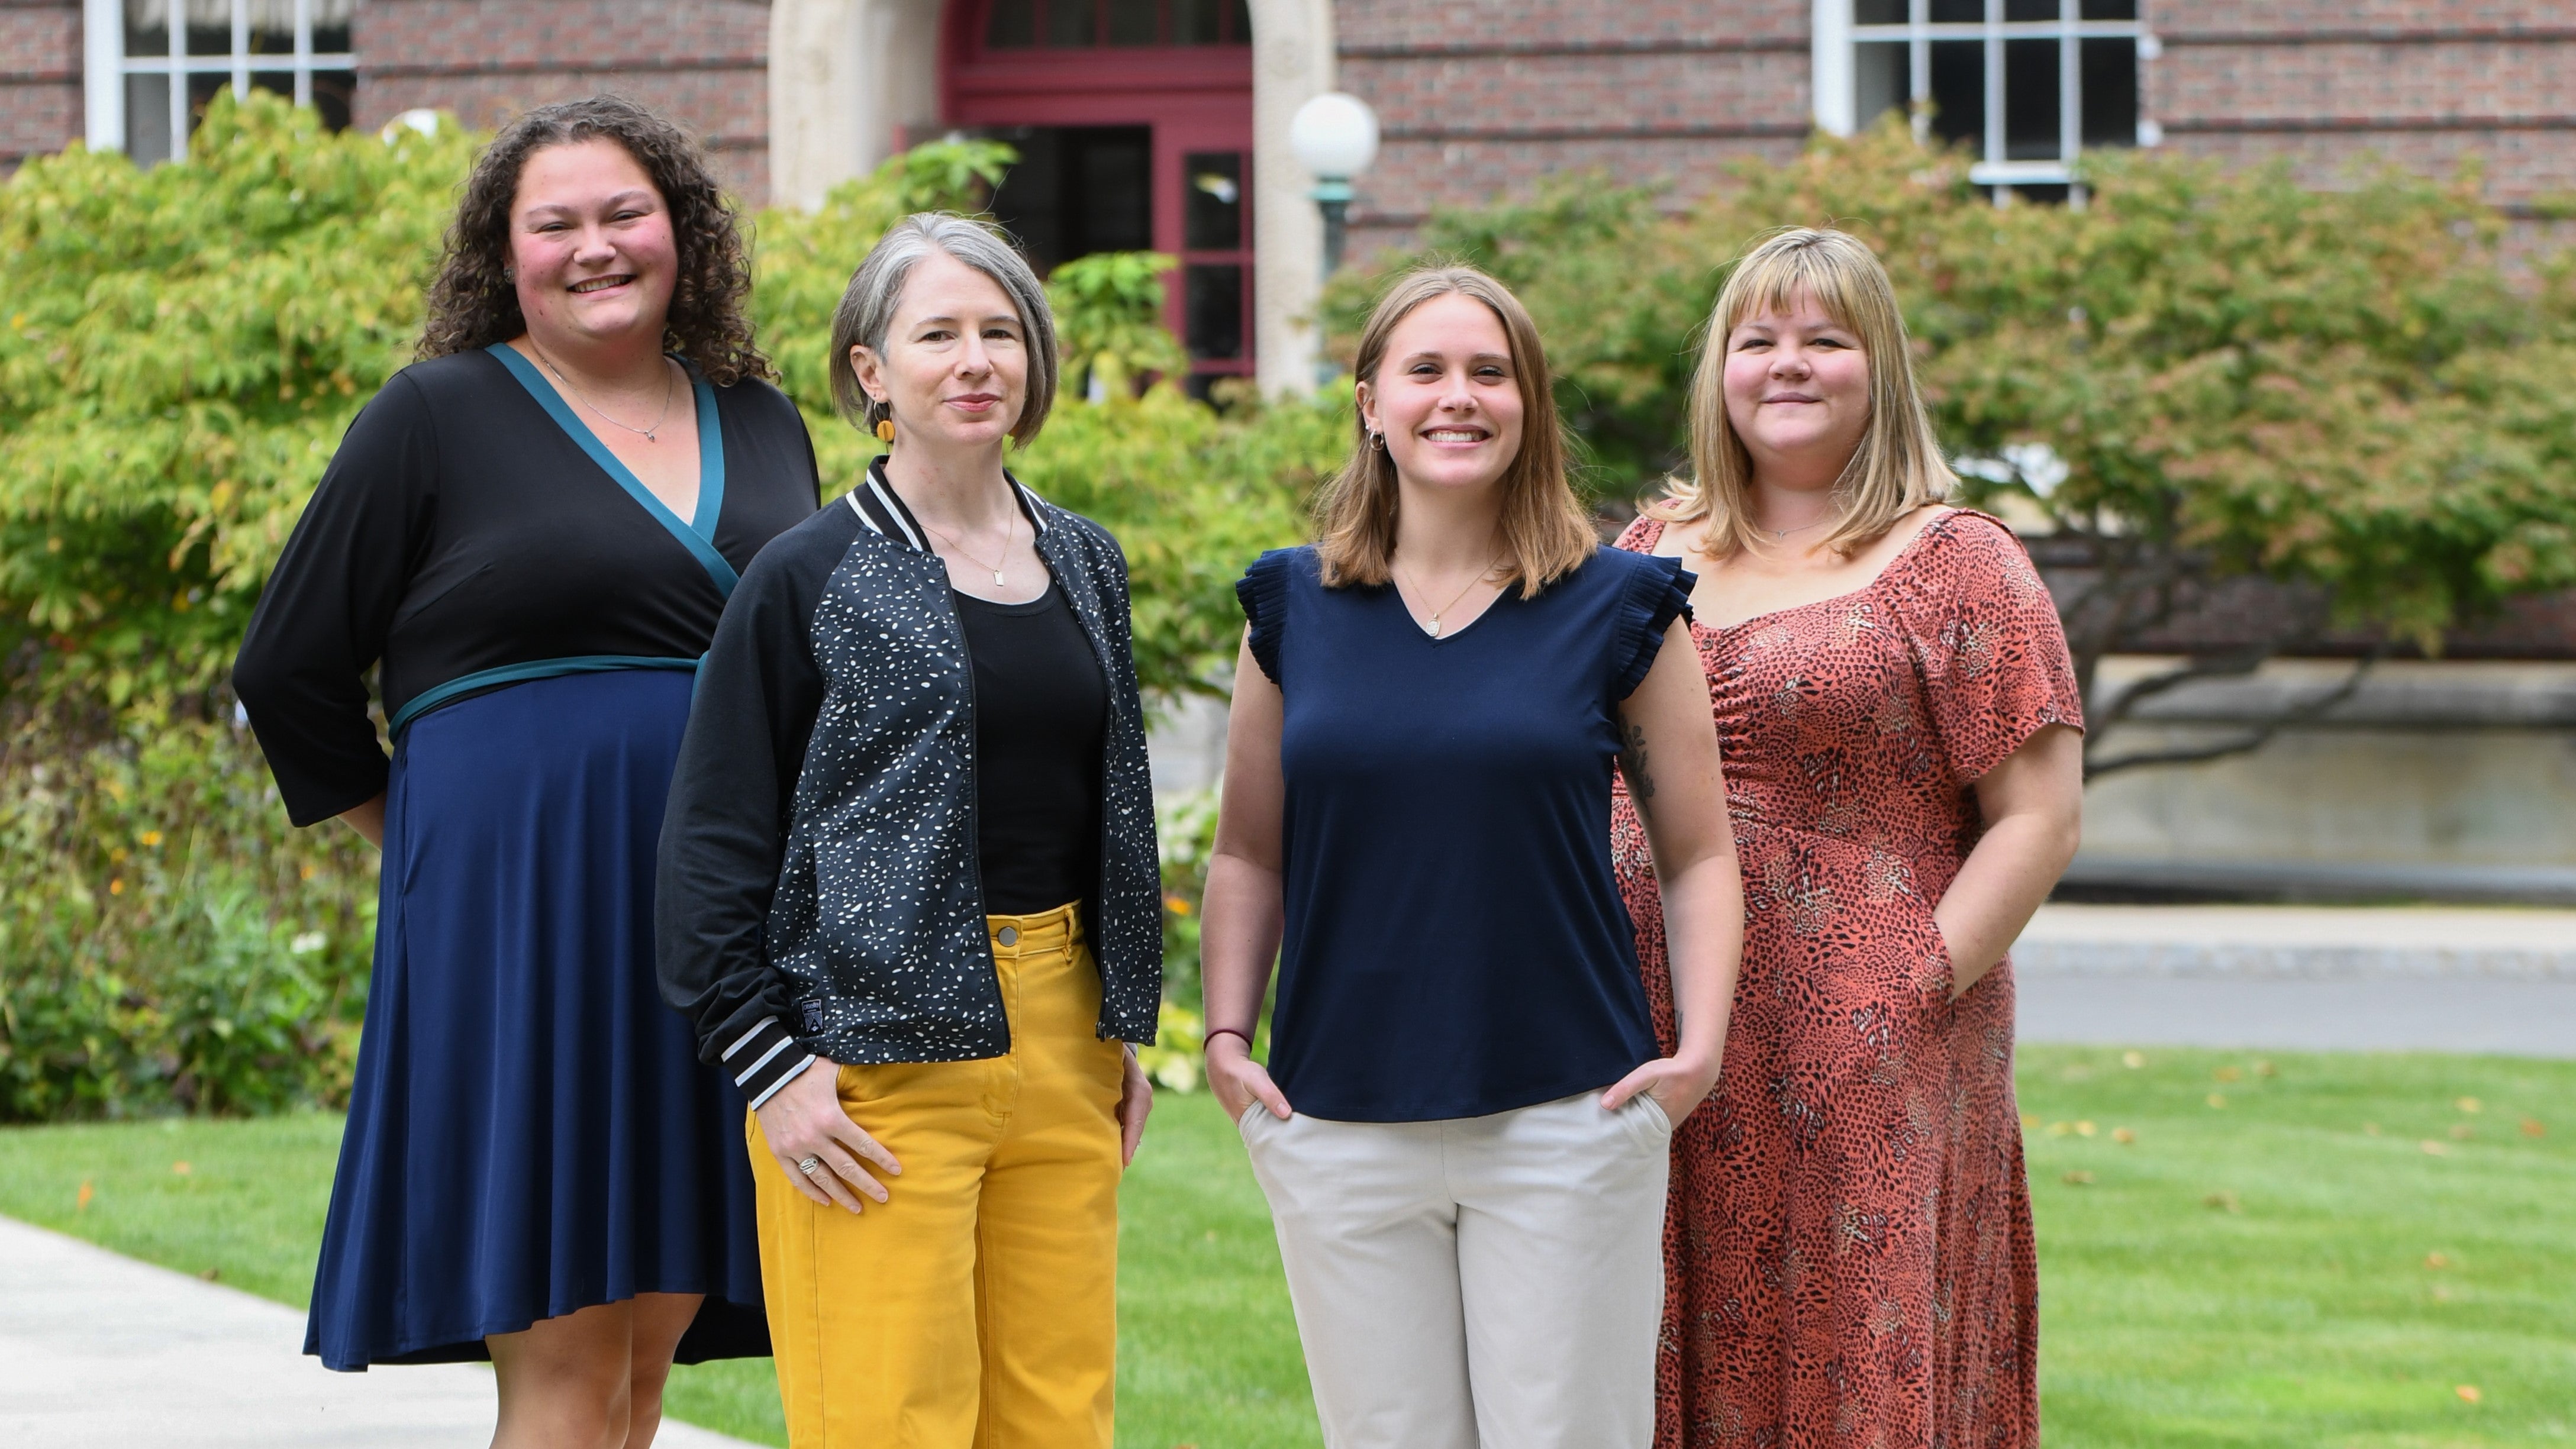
(1335, 137)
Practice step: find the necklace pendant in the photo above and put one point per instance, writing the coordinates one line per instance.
(1432, 628)
(997, 579)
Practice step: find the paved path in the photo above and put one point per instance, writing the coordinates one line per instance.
(2293, 978)
(100, 1350)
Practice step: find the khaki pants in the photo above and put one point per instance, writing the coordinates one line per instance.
(977, 1308)
(1485, 1283)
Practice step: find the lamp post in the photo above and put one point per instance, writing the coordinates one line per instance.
(1335, 137)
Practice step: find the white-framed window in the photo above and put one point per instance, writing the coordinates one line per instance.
(2028, 85)
(152, 65)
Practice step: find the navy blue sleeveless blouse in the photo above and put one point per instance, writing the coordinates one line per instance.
(1456, 944)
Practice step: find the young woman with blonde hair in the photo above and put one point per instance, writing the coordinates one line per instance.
(1462, 1126)
(1849, 1242)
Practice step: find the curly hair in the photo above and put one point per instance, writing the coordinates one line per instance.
(472, 303)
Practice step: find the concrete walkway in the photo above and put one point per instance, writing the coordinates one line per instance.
(100, 1350)
(2293, 978)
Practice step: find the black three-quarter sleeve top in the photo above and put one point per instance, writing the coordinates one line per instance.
(472, 532)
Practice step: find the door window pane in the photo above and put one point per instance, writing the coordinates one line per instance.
(2030, 9)
(1948, 12)
(2109, 10)
(1012, 25)
(1214, 311)
(1114, 201)
(1135, 22)
(1878, 12)
(1212, 215)
(2031, 94)
(1959, 92)
(1879, 81)
(1199, 22)
(1072, 23)
(2110, 91)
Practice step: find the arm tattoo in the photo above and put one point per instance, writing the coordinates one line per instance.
(1632, 763)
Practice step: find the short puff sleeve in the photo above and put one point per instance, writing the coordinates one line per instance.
(1657, 592)
(1263, 590)
(1986, 639)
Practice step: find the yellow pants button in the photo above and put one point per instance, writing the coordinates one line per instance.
(1008, 935)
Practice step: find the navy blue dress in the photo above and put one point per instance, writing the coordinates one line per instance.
(530, 1132)
(1456, 944)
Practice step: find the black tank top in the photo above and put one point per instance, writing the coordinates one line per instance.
(1041, 706)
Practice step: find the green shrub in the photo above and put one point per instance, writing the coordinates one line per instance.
(2198, 374)
(181, 349)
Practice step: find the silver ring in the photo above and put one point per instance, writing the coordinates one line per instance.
(809, 1165)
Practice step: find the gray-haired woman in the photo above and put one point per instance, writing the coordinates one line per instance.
(909, 891)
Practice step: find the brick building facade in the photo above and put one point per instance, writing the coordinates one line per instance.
(1168, 121)
(40, 77)
(1475, 97)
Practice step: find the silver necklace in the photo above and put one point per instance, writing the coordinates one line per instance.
(646, 433)
(1780, 533)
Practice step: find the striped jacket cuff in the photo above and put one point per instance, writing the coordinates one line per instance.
(764, 1059)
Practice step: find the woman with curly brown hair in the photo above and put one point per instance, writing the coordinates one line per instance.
(531, 532)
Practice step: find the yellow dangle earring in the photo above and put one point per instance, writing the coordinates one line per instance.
(885, 430)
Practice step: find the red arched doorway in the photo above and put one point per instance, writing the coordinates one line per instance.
(1134, 123)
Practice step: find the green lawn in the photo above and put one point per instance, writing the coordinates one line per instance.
(2293, 1267)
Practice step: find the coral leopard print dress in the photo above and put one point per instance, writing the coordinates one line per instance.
(1848, 1246)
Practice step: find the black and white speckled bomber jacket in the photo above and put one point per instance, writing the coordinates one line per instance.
(819, 890)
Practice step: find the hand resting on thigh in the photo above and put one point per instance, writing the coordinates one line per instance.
(804, 1119)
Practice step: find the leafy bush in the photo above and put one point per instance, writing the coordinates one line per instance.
(183, 348)
(2199, 374)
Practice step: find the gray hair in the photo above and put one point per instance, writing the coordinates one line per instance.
(866, 312)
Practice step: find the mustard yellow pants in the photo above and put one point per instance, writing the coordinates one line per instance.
(977, 1307)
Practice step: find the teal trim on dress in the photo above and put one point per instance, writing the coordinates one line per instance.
(436, 695)
(695, 536)
(711, 479)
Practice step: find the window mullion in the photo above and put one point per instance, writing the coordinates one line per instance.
(1918, 66)
(2070, 86)
(178, 80)
(304, 52)
(241, 50)
(1994, 51)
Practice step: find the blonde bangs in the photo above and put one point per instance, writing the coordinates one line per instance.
(1897, 467)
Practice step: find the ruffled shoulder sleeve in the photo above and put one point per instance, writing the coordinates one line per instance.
(1263, 590)
(1986, 640)
(1655, 592)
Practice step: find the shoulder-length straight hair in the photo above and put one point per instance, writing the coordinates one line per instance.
(1545, 534)
(1898, 466)
(473, 302)
(867, 309)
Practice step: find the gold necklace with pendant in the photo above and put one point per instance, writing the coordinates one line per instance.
(1433, 628)
(1010, 527)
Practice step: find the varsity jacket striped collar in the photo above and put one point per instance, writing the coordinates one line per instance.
(884, 511)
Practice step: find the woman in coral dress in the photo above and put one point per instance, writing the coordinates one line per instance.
(1848, 1243)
